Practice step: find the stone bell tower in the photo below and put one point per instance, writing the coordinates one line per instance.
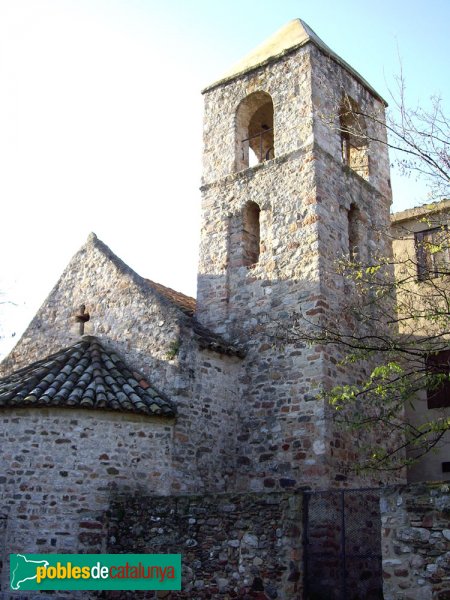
(286, 190)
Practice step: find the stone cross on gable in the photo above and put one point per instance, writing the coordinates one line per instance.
(81, 317)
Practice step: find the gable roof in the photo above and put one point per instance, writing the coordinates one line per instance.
(84, 375)
(42, 337)
(291, 36)
(206, 338)
(185, 303)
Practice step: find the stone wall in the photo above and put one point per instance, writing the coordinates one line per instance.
(58, 467)
(155, 339)
(304, 193)
(330, 83)
(416, 542)
(232, 546)
(207, 422)
(124, 312)
(288, 81)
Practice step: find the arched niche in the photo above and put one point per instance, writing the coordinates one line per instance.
(250, 234)
(254, 130)
(354, 140)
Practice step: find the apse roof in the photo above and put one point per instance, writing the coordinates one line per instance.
(84, 375)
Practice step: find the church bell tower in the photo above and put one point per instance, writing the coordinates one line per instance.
(288, 187)
(283, 187)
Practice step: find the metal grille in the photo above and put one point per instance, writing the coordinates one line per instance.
(342, 545)
(261, 144)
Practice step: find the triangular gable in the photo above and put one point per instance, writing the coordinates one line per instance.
(118, 304)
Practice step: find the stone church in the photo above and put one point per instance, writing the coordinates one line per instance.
(124, 396)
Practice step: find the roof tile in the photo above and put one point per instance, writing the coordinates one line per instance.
(84, 375)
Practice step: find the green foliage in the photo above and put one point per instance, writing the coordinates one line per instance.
(173, 350)
(389, 328)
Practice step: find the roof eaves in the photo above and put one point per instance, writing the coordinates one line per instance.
(211, 341)
(182, 302)
(316, 41)
(420, 211)
(84, 375)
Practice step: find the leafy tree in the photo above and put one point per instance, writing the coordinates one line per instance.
(418, 138)
(395, 325)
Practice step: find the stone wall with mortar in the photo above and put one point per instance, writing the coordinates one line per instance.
(58, 468)
(232, 546)
(416, 542)
(330, 83)
(123, 311)
(288, 81)
(128, 317)
(281, 188)
(340, 191)
(287, 439)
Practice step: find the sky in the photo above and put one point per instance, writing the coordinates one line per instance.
(101, 120)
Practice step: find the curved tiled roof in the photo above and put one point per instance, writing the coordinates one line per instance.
(84, 375)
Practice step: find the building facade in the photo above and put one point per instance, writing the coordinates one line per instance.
(123, 390)
(420, 239)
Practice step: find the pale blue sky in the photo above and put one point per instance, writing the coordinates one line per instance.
(100, 118)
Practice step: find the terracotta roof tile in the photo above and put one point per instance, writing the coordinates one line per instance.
(211, 341)
(206, 338)
(84, 375)
(184, 303)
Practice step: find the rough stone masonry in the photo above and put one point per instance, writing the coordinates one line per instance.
(224, 473)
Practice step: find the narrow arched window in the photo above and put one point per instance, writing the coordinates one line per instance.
(354, 140)
(254, 130)
(353, 232)
(250, 234)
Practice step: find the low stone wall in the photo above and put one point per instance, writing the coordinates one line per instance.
(232, 546)
(416, 542)
(246, 546)
(250, 546)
